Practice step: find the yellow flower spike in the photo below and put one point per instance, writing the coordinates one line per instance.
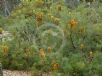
(1, 30)
(82, 46)
(42, 53)
(82, 30)
(49, 31)
(27, 49)
(49, 49)
(59, 7)
(39, 3)
(5, 49)
(64, 30)
(56, 21)
(49, 14)
(39, 18)
(91, 54)
(28, 52)
(69, 13)
(52, 17)
(73, 23)
(25, 54)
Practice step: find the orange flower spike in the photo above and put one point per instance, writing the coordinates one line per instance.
(55, 66)
(39, 16)
(73, 23)
(42, 53)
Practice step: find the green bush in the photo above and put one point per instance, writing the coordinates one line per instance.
(49, 37)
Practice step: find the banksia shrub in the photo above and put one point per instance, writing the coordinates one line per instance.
(50, 37)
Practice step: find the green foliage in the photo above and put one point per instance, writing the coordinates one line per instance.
(49, 37)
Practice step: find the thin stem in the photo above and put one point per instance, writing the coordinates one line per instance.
(72, 40)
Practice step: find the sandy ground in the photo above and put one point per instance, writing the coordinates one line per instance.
(15, 73)
(20, 73)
